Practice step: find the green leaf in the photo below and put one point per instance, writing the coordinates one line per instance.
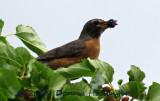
(18, 57)
(153, 92)
(133, 88)
(135, 74)
(1, 25)
(3, 98)
(91, 98)
(9, 85)
(87, 68)
(82, 87)
(79, 90)
(79, 98)
(97, 80)
(120, 82)
(45, 78)
(3, 41)
(72, 98)
(106, 69)
(76, 70)
(30, 38)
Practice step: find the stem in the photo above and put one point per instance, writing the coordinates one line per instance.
(51, 95)
(110, 84)
(19, 77)
(9, 34)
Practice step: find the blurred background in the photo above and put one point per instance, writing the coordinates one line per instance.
(135, 41)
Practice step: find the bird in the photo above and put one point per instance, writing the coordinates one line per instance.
(86, 46)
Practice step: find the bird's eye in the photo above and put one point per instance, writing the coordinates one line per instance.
(96, 22)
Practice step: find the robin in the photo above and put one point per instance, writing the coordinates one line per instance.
(87, 45)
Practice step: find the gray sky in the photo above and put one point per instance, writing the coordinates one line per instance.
(135, 41)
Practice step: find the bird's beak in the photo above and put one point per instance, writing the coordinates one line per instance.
(104, 25)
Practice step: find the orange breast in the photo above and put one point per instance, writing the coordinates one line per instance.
(92, 51)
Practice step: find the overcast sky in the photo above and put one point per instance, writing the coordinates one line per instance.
(135, 41)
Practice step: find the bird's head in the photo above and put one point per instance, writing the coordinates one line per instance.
(95, 27)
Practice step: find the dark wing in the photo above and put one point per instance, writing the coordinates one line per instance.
(71, 49)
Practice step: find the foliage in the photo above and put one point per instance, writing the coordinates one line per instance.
(22, 78)
(30, 38)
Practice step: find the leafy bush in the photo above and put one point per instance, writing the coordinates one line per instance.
(22, 78)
